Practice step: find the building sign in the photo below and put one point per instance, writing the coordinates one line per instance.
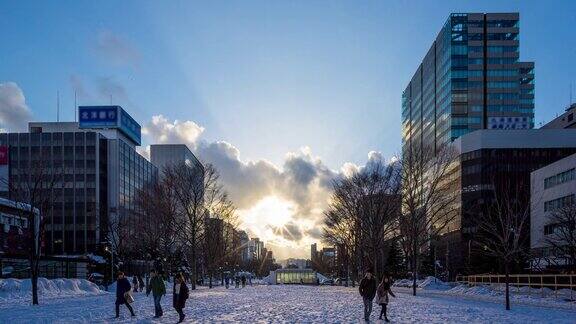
(109, 117)
(3, 155)
(504, 122)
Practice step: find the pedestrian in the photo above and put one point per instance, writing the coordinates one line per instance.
(237, 281)
(367, 290)
(123, 294)
(243, 281)
(180, 295)
(158, 290)
(141, 283)
(384, 289)
(135, 283)
(227, 282)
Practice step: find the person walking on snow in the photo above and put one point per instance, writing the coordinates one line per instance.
(384, 289)
(243, 281)
(141, 283)
(122, 290)
(367, 290)
(180, 295)
(135, 283)
(158, 289)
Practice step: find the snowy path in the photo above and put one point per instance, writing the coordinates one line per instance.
(280, 304)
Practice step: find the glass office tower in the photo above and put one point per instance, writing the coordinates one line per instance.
(470, 79)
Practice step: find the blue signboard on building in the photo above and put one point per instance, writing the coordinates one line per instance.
(109, 117)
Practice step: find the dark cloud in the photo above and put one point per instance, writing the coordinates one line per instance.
(108, 87)
(116, 50)
(290, 231)
(14, 113)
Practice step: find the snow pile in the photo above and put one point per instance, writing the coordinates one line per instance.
(17, 288)
(426, 283)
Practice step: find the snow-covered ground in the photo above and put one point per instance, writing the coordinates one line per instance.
(276, 304)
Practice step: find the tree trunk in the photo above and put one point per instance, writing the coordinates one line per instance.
(34, 288)
(507, 275)
(414, 269)
(194, 270)
(210, 282)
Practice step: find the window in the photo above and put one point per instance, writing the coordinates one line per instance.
(503, 96)
(502, 49)
(559, 203)
(559, 178)
(502, 84)
(502, 73)
(550, 229)
(502, 60)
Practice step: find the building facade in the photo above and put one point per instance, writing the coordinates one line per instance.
(566, 120)
(552, 208)
(163, 155)
(494, 163)
(470, 78)
(97, 174)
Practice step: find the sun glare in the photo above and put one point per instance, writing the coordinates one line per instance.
(268, 214)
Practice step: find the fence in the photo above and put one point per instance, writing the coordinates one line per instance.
(525, 283)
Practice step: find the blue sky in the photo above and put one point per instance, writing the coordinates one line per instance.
(265, 78)
(268, 76)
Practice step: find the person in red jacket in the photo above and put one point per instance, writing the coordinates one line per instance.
(180, 295)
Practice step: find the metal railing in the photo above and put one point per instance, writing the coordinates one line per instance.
(542, 282)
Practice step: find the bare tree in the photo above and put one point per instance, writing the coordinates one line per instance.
(429, 200)
(200, 196)
(158, 206)
(33, 195)
(503, 226)
(363, 212)
(562, 238)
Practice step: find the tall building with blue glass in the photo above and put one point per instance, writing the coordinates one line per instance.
(471, 78)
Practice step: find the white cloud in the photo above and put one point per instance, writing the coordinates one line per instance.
(14, 113)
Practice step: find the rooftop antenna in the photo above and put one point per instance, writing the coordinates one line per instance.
(75, 105)
(110, 99)
(57, 106)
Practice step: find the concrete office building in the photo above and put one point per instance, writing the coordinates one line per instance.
(553, 188)
(490, 161)
(470, 78)
(98, 174)
(566, 120)
(163, 155)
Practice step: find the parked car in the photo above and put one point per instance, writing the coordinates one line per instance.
(327, 282)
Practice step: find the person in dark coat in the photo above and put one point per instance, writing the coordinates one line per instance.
(122, 287)
(158, 289)
(135, 283)
(180, 295)
(367, 290)
(384, 289)
(141, 283)
(243, 281)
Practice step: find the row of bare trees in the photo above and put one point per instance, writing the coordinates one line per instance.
(413, 201)
(405, 202)
(185, 219)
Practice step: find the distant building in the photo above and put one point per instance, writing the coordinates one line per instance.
(98, 174)
(163, 155)
(553, 188)
(14, 228)
(293, 263)
(244, 246)
(566, 120)
(313, 252)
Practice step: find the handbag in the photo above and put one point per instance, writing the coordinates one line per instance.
(129, 298)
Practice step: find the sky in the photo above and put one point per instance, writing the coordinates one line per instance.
(281, 96)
